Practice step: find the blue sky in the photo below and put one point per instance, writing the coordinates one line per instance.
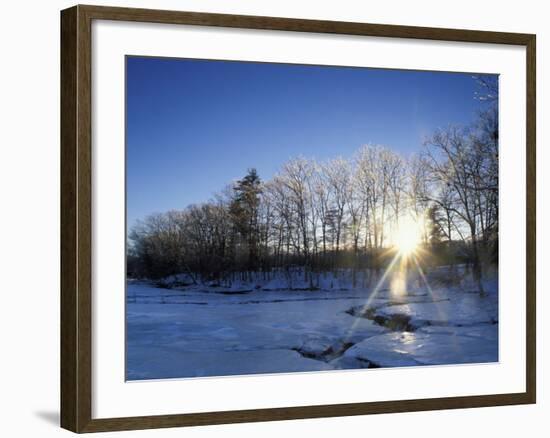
(193, 126)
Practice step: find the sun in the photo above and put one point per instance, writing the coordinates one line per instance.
(408, 236)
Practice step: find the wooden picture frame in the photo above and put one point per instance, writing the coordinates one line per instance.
(76, 217)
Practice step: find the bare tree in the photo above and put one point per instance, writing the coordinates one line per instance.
(336, 213)
(338, 178)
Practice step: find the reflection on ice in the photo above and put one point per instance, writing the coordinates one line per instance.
(195, 331)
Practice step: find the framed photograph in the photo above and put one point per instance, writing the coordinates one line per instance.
(269, 218)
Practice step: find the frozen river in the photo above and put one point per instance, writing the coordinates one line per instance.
(203, 331)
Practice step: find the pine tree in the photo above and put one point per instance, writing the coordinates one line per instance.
(435, 230)
(244, 213)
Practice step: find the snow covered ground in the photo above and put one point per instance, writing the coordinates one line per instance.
(271, 326)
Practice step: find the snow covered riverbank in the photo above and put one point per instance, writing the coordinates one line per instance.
(205, 330)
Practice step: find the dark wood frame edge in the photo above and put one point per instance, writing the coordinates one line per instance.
(76, 165)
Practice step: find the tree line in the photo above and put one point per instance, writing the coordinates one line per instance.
(340, 213)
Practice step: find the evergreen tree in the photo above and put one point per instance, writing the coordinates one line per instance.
(244, 210)
(435, 229)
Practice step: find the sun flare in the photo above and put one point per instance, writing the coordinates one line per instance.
(408, 236)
